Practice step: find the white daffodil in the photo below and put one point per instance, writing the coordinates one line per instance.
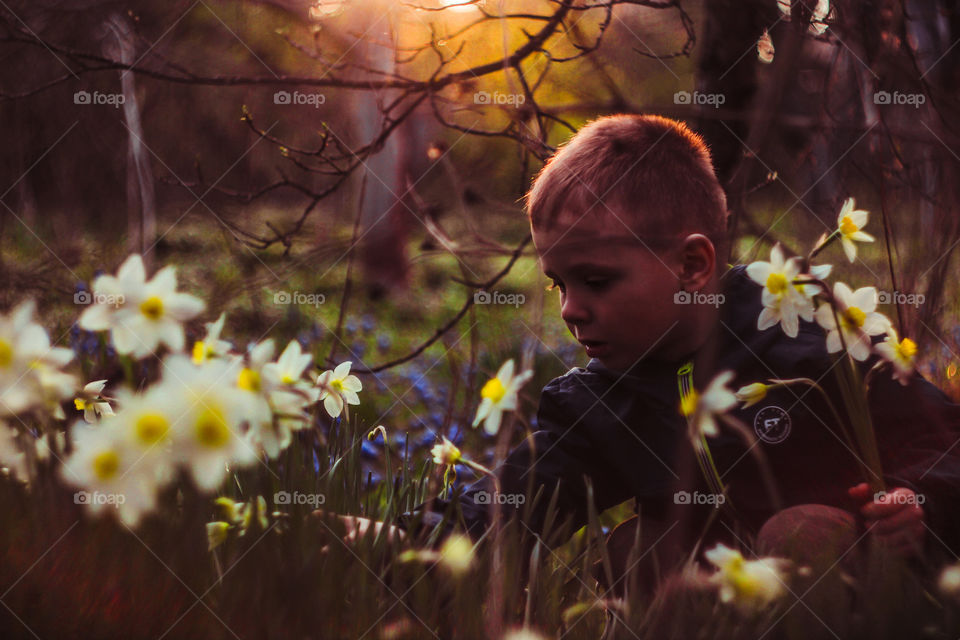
(900, 354)
(456, 554)
(92, 403)
(445, 453)
(30, 372)
(207, 436)
(849, 225)
(783, 300)
(105, 470)
(499, 394)
(702, 409)
(858, 320)
(290, 366)
(144, 423)
(338, 387)
(290, 394)
(211, 346)
(151, 312)
(750, 585)
(949, 581)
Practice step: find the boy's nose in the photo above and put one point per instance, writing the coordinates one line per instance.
(573, 312)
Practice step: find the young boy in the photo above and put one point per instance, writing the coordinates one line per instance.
(629, 221)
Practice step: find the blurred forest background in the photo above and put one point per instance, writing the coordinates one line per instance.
(350, 173)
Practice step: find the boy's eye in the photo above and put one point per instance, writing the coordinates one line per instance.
(597, 282)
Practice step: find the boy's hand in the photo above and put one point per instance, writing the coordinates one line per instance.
(356, 527)
(895, 518)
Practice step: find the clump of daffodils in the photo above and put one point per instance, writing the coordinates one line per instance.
(276, 395)
(793, 289)
(749, 585)
(140, 314)
(785, 301)
(500, 394)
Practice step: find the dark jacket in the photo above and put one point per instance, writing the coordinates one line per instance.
(624, 432)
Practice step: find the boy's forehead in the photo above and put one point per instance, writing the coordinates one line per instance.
(571, 251)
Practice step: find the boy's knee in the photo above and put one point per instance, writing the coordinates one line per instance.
(660, 550)
(814, 535)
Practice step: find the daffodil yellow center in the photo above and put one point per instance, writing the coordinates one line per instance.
(80, 404)
(907, 349)
(688, 403)
(152, 307)
(493, 390)
(847, 226)
(6, 354)
(151, 428)
(249, 380)
(289, 379)
(199, 352)
(211, 429)
(105, 465)
(776, 283)
(337, 385)
(854, 317)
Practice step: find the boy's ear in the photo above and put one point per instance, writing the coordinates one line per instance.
(698, 262)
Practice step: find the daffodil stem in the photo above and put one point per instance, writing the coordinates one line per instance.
(823, 245)
(855, 401)
(495, 598)
(127, 363)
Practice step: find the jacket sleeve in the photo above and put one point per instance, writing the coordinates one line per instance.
(557, 458)
(918, 429)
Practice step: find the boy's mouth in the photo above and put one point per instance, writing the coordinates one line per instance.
(594, 348)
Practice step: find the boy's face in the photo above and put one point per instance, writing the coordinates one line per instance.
(616, 295)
